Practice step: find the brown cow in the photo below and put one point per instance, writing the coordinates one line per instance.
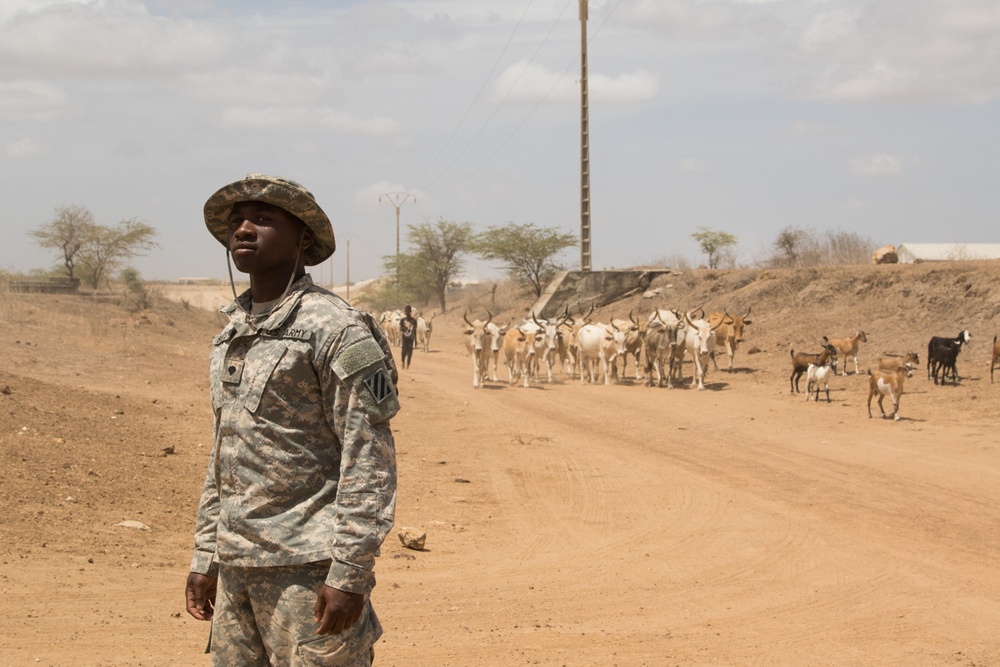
(728, 333)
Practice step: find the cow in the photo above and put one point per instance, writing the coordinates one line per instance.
(425, 327)
(520, 347)
(673, 321)
(729, 333)
(477, 343)
(659, 342)
(942, 355)
(496, 334)
(553, 334)
(847, 348)
(699, 340)
(599, 344)
(634, 332)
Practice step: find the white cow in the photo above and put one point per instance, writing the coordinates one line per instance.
(599, 343)
(496, 334)
(520, 348)
(424, 329)
(699, 340)
(478, 344)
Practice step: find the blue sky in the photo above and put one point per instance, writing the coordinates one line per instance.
(877, 117)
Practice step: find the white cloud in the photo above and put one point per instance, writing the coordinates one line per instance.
(878, 165)
(807, 129)
(23, 148)
(238, 85)
(104, 36)
(693, 165)
(533, 83)
(29, 101)
(300, 117)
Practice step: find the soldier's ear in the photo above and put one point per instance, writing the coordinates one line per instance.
(307, 238)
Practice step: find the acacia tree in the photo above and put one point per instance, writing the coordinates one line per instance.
(712, 243)
(436, 259)
(108, 248)
(68, 233)
(528, 251)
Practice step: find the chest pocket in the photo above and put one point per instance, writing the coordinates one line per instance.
(256, 375)
(244, 380)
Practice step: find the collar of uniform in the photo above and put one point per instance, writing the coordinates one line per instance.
(237, 310)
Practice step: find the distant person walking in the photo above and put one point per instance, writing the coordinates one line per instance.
(300, 490)
(408, 335)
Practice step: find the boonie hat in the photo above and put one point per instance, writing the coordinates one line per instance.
(280, 192)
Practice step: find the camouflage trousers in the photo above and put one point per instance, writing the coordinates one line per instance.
(264, 616)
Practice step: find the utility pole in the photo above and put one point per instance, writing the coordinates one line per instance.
(397, 199)
(348, 283)
(584, 146)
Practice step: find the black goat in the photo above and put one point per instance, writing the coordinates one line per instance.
(942, 354)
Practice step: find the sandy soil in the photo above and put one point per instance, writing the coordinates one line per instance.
(566, 524)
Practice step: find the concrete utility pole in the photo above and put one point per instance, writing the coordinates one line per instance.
(584, 146)
(397, 199)
(348, 282)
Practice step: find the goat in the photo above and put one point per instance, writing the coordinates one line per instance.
(848, 348)
(942, 354)
(887, 383)
(816, 375)
(890, 361)
(801, 361)
(996, 357)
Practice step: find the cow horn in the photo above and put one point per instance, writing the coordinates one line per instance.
(748, 312)
(489, 317)
(465, 316)
(535, 319)
(632, 317)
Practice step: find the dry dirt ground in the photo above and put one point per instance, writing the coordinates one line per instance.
(566, 524)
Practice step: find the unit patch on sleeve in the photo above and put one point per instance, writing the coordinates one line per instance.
(379, 385)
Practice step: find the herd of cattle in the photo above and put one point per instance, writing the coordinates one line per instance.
(592, 351)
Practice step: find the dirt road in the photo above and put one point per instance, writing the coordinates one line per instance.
(566, 524)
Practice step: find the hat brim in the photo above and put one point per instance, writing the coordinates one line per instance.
(284, 194)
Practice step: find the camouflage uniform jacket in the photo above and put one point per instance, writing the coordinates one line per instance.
(303, 465)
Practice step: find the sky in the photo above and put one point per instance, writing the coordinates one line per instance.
(875, 117)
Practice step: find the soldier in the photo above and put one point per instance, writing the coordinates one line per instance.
(300, 490)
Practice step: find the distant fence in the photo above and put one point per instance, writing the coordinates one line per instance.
(48, 286)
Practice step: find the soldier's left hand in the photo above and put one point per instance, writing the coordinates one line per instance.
(337, 610)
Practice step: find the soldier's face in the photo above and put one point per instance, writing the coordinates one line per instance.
(263, 237)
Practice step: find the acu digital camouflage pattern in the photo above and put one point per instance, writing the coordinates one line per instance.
(280, 192)
(285, 595)
(303, 467)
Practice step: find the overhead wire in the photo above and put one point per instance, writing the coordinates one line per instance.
(541, 101)
(475, 99)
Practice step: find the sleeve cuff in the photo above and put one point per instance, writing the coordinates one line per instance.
(350, 579)
(203, 562)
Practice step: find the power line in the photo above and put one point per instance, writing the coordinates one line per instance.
(478, 94)
(503, 100)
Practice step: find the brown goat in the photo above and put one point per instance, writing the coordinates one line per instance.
(848, 348)
(996, 357)
(888, 361)
(887, 383)
(801, 361)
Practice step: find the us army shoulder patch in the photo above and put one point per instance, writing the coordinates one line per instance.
(379, 385)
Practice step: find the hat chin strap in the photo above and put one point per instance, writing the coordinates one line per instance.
(291, 280)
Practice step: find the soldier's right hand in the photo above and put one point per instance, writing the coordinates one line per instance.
(199, 593)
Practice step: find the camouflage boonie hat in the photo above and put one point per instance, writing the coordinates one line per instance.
(280, 192)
